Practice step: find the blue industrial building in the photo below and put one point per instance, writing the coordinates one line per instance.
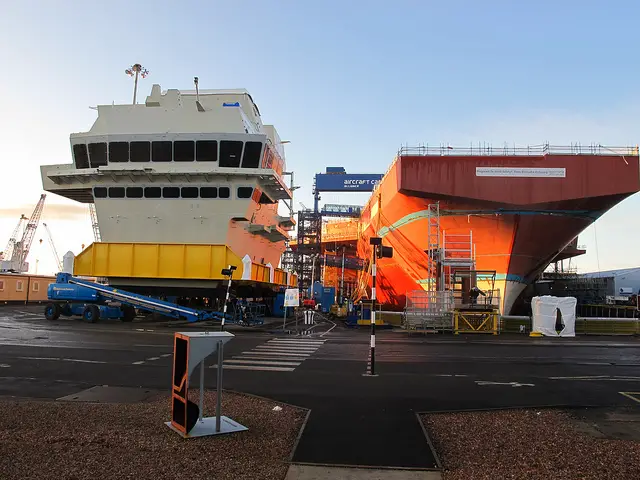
(626, 280)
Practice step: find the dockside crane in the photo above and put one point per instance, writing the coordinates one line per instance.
(8, 251)
(21, 248)
(53, 247)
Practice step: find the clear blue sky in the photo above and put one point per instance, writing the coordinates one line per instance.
(346, 82)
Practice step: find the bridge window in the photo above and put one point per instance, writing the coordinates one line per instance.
(183, 151)
(140, 151)
(245, 192)
(251, 155)
(152, 192)
(161, 151)
(100, 192)
(171, 192)
(98, 154)
(134, 192)
(230, 152)
(208, 192)
(116, 192)
(224, 192)
(118, 152)
(80, 155)
(189, 192)
(207, 151)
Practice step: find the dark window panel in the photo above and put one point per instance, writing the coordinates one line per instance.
(245, 192)
(184, 151)
(152, 192)
(224, 192)
(80, 155)
(189, 192)
(134, 192)
(230, 152)
(207, 151)
(140, 151)
(251, 155)
(118, 152)
(171, 192)
(116, 192)
(100, 192)
(98, 154)
(208, 192)
(161, 151)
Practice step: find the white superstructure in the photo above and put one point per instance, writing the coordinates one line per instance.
(181, 169)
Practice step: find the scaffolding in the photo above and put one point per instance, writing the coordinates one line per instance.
(308, 248)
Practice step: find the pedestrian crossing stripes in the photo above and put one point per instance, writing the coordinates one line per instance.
(276, 355)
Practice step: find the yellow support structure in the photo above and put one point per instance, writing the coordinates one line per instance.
(169, 261)
(475, 321)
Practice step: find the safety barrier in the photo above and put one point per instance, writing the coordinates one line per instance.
(584, 325)
(475, 321)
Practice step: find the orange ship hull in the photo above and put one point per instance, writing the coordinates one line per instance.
(520, 219)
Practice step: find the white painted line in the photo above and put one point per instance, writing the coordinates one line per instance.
(334, 326)
(618, 378)
(4, 365)
(263, 362)
(297, 341)
(286, 354)
(251, 367)
(77, 360)
(512, 384)
(164, 355)
(138, 363)
(286, 349)
(635, 396)
(151, 359)
(263, 357)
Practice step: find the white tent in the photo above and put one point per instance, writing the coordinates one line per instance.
(554, 316)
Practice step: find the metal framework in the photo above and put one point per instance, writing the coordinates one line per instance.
(13, 240)
(21, 248)
(53, 247)
(94, 222)
(308, 247)
(483, 148)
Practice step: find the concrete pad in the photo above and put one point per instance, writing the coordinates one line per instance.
(320, 472)
(107, 394)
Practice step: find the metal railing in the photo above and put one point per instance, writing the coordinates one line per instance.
(584, 325)
(429, 310)
(513, 150)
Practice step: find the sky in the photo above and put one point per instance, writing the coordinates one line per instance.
(347, 83)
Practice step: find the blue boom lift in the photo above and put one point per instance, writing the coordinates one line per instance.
(73, 296)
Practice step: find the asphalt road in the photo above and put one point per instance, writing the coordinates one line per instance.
(356, 419)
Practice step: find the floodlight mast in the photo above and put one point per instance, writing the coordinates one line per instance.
(136, 70)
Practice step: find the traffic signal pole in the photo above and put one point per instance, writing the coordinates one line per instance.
(373, 311)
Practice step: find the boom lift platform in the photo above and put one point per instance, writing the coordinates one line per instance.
(74, 296)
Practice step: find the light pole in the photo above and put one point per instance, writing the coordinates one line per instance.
(133, 71)
(227, 272)
(379, 251)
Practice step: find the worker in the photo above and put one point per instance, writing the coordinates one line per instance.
(474, 293)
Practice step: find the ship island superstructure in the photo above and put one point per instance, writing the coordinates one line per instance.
(183, 185)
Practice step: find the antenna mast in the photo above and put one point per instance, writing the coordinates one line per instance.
(133, 71)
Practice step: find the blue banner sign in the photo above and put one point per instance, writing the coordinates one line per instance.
(365, 182)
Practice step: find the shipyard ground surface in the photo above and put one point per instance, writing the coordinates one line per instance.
(355, 419)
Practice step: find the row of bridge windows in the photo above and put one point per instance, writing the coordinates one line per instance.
(228, 153)
(170, 192)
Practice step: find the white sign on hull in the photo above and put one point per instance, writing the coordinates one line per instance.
(526, 172)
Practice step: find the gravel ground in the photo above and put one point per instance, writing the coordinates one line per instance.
(69, 440)
(526, 444)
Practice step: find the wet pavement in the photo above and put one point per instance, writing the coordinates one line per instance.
(355, 419)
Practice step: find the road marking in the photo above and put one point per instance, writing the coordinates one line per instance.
(138, 363)
(617, 378)
(512, 384)
(151, 359)
(164, 355)
(4, 365)
(77, 360)
(262, 362)
(635, 396)
(285, 354)
(256, 367)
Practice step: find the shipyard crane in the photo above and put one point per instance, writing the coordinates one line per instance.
(8, 251)
(94, 222)
(53, 247)
(21, 248)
